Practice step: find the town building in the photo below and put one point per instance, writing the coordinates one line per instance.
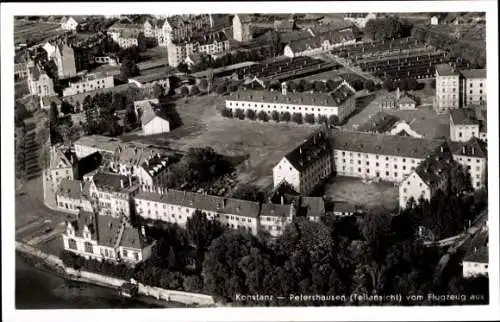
(475, 262)
(312, 208)
(275, 217)
(398, 101)
(306, 165)
(154, 120)
(284, 25)
(148, 82)
(64, 57)
(339, 103)
(62, 165)
(379, 156)
(447, 88)
(111, 194)
(242, 27)
(20, 71)
(72, 196)
(473, 156)
(39, 83)
(46, 102)
(106, 238)
(89, 144)
(50, 49)
(146, 164)
(467, 123)
(434, 20)
(319, 44)
(344, 209)
(430, 176)
(89, 83)
(360, 19)
(181, 27)
(209, 44)
(474, 87)
(71, 23)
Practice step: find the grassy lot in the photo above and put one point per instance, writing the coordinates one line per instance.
(353, 190)
(423, 120)
(262, 144)
(34, 30)
(332, 74)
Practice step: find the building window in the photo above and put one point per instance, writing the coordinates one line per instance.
(89, 248)
(125, 253)
(72, 244)
(136, 256)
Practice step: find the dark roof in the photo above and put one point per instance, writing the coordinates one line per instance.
(315, 99)
(132, 238)
(110, 181)
(472, 148)
(144, 79)
(157, 163)
(205, 39)
(309, 151)
(89, 163)
(341, 206)
(312, 206)
(383, 144)
(203, 202)
(434, 168)
(379, 123)
(108, 228)
(70, 188)
(276, 210)
(473, 73)
(283, 190)
(480, 255)
(334, 37)
(445, 70)
(152, 111)
(464, 116)
(83, 219)
(284, 24)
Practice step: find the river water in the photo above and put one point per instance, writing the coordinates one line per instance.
(38, 289)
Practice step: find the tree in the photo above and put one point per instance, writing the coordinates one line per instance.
(322, 119)
(128, 69)
(195, 90)
(433, 83)
(333, 120)
(368, 85)
(275, 116)
(171, 258)
(227, 112)
(297, 118)
(292, 86)
(157, 91)
(263, 116)
(319, 86)
(250, 114)
(248, 192)
(193, 283)
(239, 113)
(184, 91)
(307, 87)
(388, 85)
(412, 84)
(220, 89)
(183, 68)
(203, 83)
(285, 117)
(309, 118)
(201, 230)
(331, 84)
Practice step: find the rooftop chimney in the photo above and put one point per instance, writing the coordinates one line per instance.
(121, 183)
(463, 149)
(143, 231)
(282, 200)
(473, 150)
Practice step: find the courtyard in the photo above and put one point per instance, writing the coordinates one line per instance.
(261, 144)
(369, 195)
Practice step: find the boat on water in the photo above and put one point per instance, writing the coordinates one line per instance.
(128, 290)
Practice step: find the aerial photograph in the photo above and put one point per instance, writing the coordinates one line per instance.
(250, 160)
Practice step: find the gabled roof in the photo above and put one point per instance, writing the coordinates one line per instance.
(472, 148)
(89, 163)
(312, 206)
(383, 144)
(480, 255)
(445, 70)
(342, 206)
(309, 151)
(84, 219)
(473, 73)
(433, 169)
(70, 188)
(101, 142)
(464, 116)
(110, 181)
(276, 210)
(379, 123)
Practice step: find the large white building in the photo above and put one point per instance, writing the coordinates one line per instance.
(73, 196)
(360, 19)
(430, 176)
(88, 144)
(178, 28)
(177, 206)
(447, 88)
(154, 120)
(64, 57)
(474, 87)
(242, 27)
(379, 156)
(468, 123)
(89, 83)
(473, 156)
(70, 24)
(39, 83)
(106, 238)
(62, 165)
(306, 165)
(339, 103)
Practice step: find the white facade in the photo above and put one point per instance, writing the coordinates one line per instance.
(285, 171)
(111, 203)
(127, 42)
(39, 83)
(361, 21)
(434, 20)
(405, 127)
(474, 269)
(69, 25)
(73, 205)
(413, 187)
(88, 84)
(241, 30)
(313, 50)
(155, 126)
(474, 91)
(447, 92)
(392, 168)
(463, 132)
(50, 50)
(475, 166)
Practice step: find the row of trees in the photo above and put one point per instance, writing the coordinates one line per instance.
(279, 117)
(388, 28)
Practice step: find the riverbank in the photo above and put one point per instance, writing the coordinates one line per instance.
(151, 295)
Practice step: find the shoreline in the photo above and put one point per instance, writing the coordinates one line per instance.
(44, 265)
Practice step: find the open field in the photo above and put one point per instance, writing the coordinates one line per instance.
(353, 190)
(263, 144)
(34, 30)
(423, 120)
